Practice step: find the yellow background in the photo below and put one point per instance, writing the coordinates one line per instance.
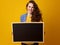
(11, 10)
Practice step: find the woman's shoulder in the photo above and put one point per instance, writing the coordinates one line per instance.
(23, 15)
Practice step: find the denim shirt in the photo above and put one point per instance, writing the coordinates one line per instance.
(23, 18)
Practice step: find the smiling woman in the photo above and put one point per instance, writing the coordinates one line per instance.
(33, 13)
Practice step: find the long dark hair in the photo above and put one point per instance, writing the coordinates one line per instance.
(36, 14)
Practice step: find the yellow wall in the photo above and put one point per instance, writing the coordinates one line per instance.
(11, 11)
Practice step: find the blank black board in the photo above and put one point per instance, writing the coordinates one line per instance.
(27, 32)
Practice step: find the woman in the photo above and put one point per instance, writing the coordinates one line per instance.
(33, 15)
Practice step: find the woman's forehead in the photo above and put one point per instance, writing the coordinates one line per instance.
(30, 4)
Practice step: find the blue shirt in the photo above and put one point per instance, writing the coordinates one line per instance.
(23, 18)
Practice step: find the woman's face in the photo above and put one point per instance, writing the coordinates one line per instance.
(30, 8)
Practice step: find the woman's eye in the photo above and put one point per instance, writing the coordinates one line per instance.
(32, 7)
(29, 6)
